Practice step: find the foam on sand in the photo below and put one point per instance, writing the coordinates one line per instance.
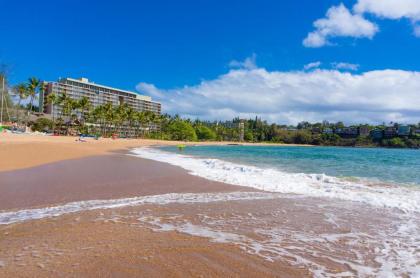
(10, 217)
(273, 180)
(349, 244)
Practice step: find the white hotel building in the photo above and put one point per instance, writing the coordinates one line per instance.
(97, 95)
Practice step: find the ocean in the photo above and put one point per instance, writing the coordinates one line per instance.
(379, 177)
(397, 166)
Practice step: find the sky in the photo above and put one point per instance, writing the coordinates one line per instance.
(356, 61)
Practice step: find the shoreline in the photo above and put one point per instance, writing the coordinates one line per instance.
(110, 176)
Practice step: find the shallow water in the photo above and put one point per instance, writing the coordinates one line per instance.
(370, 191)
(380, 164)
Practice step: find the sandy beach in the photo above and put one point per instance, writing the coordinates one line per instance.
(41, 171)
(24, 151)
(93, 209)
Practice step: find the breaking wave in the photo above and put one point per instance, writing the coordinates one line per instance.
(272, 180)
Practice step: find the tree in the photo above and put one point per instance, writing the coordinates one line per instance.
(68, 105)
(22, 93)
(109, 114)
(42, 124)
(120, 116)
(303, 137)
(33, 90)
(249, 136)
(84, 105)
(52, 99)
(182, 130)
(205, 133)
(395, 143)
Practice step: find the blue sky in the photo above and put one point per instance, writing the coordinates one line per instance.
(172, 48)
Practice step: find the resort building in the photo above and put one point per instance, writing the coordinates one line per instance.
(390, 132)
(377, 134)
(347, 132)
(364, 131)
(404, 130)
(97, 95)
(328, 131)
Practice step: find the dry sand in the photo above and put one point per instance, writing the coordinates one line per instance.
(22, 151)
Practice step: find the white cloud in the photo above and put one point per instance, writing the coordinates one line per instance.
(392, 9)
(345, 66)
(312, 65)
(339, 22)
(248, 63)
(290, 97)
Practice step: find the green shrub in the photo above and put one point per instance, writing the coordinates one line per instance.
(205, 133)
(42, 125)
(182, 131)
(394, 143)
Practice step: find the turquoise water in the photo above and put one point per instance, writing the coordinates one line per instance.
(385, 165)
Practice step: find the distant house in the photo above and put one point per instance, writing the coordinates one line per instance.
(377, 134)
(364, 131)
(390, 132)
(316, 130)
(328, 131)
(416, 131)
(347, 132)
(404, 130)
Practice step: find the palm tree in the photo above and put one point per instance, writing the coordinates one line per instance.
(68, 106)
(149, 119)
(61, 99)
(84, 105)
(97, 116)
(120, 116)
(33, 87)
(52, 99)
(131, 116)
(159, 121)
(109, 116)
(22, 93)
(143, 120)
(137, 122)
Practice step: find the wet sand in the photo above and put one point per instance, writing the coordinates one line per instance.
(86, 245)
(109, 176)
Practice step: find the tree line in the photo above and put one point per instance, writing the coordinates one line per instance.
(78, 116)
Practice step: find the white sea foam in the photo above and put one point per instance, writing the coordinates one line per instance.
(387, 249)
(273, 180)
(164, 199)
